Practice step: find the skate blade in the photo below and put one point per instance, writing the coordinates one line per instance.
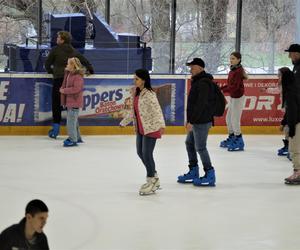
(146, 194)
(235, 150)
(185, 182)
(292, 183)
(205, 185)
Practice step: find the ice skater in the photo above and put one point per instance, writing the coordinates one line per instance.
(235, 88)
(28, 234)
(284, 151)
(199, 120)
(72, 98)
(291, 93)
(149, 126)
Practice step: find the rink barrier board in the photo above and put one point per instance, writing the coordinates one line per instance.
(22, 95)
(112, 130)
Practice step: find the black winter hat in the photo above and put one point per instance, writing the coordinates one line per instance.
(293, 48)
(196, 61)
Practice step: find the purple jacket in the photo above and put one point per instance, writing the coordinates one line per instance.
(72, 90)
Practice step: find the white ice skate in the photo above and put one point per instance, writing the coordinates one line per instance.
(150, 187)
(148, 179)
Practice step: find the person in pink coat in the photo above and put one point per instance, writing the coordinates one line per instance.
(72, 98)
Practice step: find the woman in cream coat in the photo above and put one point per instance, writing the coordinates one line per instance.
(149, 126)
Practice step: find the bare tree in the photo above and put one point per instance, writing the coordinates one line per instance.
(20, 10)
(266, 20)
(202, 31)
(160, 30)
(211, 26)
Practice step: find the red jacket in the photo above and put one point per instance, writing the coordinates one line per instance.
(72, 90)
(235, 85)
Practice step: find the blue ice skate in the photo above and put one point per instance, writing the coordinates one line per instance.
(190, 176)
(69, 143)
(54, 132)
(80, 140)
(285, 149)
(237, 144)
(225, 143)
(209, 179)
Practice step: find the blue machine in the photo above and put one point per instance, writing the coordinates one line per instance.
(108, 51)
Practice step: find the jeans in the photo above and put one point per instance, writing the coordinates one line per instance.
(145, 147)
(72, 124)
(56, 108)
(196, 142)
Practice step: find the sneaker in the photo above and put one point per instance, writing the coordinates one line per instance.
(294, 178)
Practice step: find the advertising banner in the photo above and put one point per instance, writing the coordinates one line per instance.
(27, 101)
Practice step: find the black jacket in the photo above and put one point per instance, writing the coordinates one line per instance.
(57, 59)
(291, 97)
(199, 99)
(296, 71)
(13, 237)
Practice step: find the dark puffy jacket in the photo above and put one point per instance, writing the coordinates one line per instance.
(291, 97)
(58, 57)
(296, 71)
(200, 98)
(14, 238)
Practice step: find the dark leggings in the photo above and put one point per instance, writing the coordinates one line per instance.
(56, 107)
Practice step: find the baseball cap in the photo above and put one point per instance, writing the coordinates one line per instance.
(196, 61)
(293, 48)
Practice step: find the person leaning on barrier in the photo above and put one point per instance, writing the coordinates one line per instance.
(55, 64)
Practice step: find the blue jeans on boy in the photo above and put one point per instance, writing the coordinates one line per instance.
(196, 142)
(72, 124)
(145, 147)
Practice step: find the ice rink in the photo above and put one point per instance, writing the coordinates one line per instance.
(92, 194)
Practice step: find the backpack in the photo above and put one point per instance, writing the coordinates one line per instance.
(219, 101)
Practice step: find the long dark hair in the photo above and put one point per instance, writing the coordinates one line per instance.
(238, 55)
(144, 75)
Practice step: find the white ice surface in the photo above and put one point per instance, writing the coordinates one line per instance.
(92, 193)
